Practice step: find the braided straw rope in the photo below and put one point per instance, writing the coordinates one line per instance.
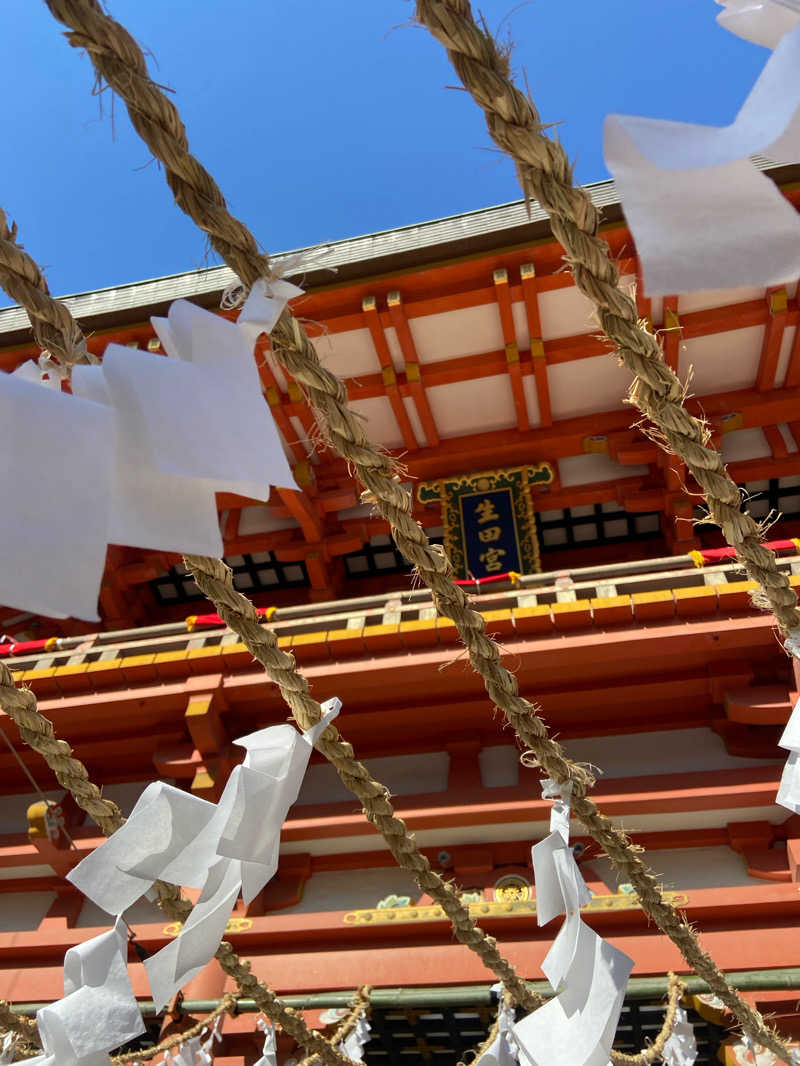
(545, 174)
(675, 989)
(119, 61)
(214, 578)
(11, 1022)
(360, 1007)
(227, 1005)
(53, 326)
(38, 732)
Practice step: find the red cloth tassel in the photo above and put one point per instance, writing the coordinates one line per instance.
(212, 621)
(716, 555)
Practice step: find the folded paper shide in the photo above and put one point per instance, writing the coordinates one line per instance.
(503, 1050)
(577, 1026)
(789, 791)
(762, 22)
(353, 1044)
(221, 848)
(98, 1012)
(269, 1053)
(702, 214)
(152, 438)
(681, 1046)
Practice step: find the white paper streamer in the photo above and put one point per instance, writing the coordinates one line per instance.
(681, 1046)
(702, 215)
(203, 410)
(221, 848)
(98, 1012)
(264, 306)
(8, 1049)
(353, 1045)
(763, 22)
(148, 508)
(503, 1049)
(55, 474)
(135, 455)
(269, 1055)
(789, 791)
(577, 1026)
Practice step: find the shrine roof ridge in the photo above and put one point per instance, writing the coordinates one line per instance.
(351, 258)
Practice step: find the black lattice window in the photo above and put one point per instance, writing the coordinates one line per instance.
(380, 555)
(446, 1034)
(776, 496)
(258, 572)
(589, 525)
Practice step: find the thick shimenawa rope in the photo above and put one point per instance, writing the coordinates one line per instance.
(119, 61)
(52, 324)
(37, 731)
(360, 1007)
(11, 1022)
(227, 1005)
(545, 174)
(20, 704)
(675, 989)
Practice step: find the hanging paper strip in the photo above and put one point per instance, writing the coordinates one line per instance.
(353, 1045)
(789, 791)
(147, 508)
(98, 1012)
(763, 22)
(702, 215)
(8, 1049)
(681, 1046)
(269, 1055)
(503, 1049)
(53, 527)
(264, 306)
(577, 1026)
(135, 455)
(221, 848)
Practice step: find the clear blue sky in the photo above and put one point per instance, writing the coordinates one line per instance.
(321, 120)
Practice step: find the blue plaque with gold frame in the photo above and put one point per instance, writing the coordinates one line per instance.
(488, 519)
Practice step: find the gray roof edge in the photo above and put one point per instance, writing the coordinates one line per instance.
(350, 252)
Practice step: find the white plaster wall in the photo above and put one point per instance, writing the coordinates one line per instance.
(24, 910)
(500, 766)
(348, 890)
(404, 775)
(143, 911)
(688, 868)
(665, 752)
(583, 469)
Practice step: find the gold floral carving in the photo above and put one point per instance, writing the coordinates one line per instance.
(621, 901)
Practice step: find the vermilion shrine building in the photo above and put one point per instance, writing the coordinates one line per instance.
(473, 359)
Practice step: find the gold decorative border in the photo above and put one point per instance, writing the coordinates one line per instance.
(621, 901)
(235, 925)
(519, 479)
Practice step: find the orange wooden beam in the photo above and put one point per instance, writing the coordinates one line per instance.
(776, 442)
(671, 336)
(277, 402)
(372, 320)
(793, 370)
(777, 304)
(412, 368)
(644, 305)
(537, 352)
(512, 348)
